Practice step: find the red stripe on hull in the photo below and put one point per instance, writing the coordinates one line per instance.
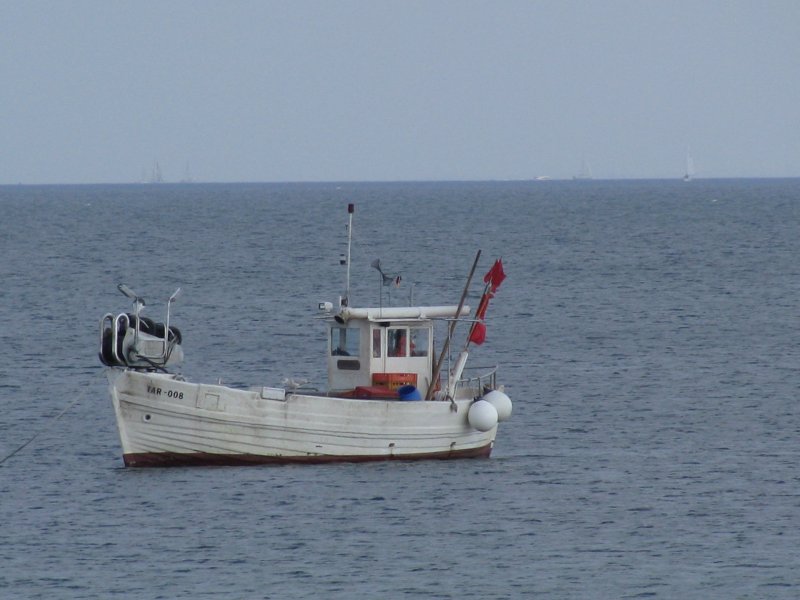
(204, 459)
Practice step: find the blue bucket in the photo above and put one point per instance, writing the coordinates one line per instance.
(409, 392)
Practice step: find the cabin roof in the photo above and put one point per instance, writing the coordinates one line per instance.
(394, 313)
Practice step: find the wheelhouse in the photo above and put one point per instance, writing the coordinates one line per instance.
(373, 352)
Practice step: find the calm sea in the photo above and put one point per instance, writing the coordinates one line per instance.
(647, 334)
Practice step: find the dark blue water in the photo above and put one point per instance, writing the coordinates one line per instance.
(647, 333)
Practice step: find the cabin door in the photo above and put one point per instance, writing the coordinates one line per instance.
(401, 354)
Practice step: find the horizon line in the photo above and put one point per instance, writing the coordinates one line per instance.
(537, 180)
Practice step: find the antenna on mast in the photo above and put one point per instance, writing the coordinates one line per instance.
(350, 210)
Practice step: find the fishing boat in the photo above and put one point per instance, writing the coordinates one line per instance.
(389, 395)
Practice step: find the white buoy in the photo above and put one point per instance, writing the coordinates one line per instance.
(482, 415)
(501, 402)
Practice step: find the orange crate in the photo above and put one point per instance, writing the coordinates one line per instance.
(394, 381)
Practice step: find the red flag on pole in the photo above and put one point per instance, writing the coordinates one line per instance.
(478, 333)
(480, 314)
(496, 275)
(492, 279)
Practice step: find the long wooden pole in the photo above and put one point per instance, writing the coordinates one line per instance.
(437, 368)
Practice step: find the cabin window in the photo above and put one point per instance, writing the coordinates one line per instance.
(419, 341)
(348, 364)
(344, 341)
(397, 341)
(376, 343)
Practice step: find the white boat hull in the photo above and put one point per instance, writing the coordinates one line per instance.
(165, 421)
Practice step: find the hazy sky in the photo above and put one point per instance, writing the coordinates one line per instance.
(326, 90)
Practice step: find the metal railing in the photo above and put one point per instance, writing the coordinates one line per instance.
(484, 377)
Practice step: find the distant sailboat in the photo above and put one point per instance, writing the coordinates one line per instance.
(586, 171)
(187, 175)
(689, 167)
(155, 176)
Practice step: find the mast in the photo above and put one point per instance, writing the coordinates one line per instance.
(437, 367)
(350, 210)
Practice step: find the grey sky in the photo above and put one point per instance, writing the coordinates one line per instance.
(319, 90)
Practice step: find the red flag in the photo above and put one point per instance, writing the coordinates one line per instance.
(496, 275)
(478, 333)
(480, 314)
(492, 279)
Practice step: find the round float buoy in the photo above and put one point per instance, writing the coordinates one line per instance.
(501, 402)
(482, 415)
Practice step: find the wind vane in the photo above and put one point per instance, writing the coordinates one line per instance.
(386, 279)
